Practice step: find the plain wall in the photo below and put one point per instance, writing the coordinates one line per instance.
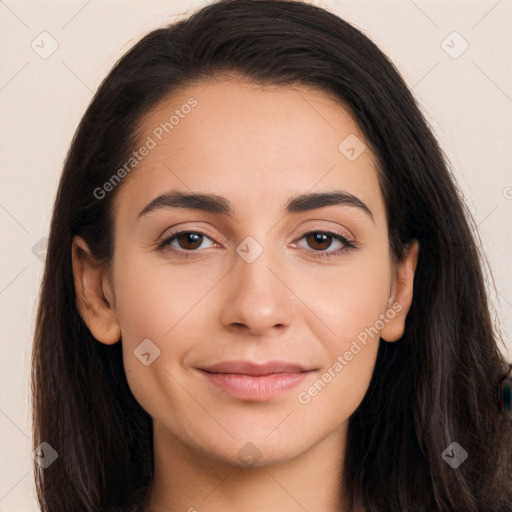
(467, 100)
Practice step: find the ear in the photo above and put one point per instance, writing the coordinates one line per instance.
(94, 294)
(401, 294)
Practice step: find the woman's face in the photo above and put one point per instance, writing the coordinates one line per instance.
(257, 289)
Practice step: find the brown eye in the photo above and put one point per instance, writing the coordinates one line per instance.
(189, 240)
(185, 242)
(318, 240)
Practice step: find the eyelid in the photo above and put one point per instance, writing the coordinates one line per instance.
(164, 242)
(348, 242)
(177, 230)
(329, 231)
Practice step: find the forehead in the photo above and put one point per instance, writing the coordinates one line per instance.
(252, 143)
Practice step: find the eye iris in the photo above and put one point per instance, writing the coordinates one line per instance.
(320, 238)
(191, 241)
(186, 238)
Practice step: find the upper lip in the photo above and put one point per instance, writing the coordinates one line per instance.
(255, 369)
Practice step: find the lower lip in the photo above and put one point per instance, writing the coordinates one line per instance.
(255, 388)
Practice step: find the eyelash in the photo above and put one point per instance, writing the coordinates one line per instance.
(348, 245)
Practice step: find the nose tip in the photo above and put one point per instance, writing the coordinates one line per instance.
(256, 301)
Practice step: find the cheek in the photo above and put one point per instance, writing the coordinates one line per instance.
(152, 306)
(153, 297)
(346, 299)
(331, 399)
(158, 307)
(339, 305)
(349, 305)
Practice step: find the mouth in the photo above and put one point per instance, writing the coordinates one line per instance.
(251, 381)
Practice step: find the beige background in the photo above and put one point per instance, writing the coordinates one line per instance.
(467, 100)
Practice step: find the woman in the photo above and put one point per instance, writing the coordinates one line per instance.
(262, 291)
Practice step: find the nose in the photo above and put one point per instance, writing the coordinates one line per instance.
(257, 298)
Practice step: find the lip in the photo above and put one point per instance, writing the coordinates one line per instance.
(247, 380)
(254, 369)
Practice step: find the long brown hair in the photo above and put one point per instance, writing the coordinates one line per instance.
(434, 387)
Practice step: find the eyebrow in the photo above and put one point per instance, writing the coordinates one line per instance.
(214, 203)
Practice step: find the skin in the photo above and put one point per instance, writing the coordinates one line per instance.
(256, 146)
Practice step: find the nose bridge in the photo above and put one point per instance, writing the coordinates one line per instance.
(252, 264)
(257, 298)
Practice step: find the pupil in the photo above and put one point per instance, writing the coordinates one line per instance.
(194, 239)
(321, 238)
(189, 240)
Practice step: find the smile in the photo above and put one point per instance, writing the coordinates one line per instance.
(255, 382)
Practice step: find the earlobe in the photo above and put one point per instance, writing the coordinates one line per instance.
(94, 294)
(400, 300)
